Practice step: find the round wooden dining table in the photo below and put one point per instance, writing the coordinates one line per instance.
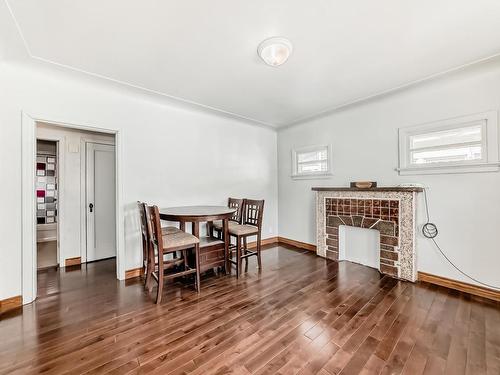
(213, 251)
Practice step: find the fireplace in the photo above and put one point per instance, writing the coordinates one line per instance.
(390, 210)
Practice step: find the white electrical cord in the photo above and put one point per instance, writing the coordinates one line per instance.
(430, 231)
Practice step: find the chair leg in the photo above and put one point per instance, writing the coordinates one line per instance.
(245, 251)
(149, 279)
(145, 261)
(160, 279)
(227, 257)
(238, 256)
(149, 270)
(258, 251)
(198, 278)
(185, 257)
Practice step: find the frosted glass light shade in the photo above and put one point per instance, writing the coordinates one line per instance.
(275, 51)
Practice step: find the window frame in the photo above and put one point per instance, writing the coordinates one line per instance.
(489, 161)
(311, 175)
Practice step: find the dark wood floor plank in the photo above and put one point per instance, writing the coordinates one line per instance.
(357, 338)
(396, 362)
(338, 361)
(300, 315)
(476, 350)
(373, 366)
(359, 359)
(492, 340)
(365, 313)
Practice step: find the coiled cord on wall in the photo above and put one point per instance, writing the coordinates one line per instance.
(430, 231)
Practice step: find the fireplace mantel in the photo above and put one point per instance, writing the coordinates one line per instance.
(390, 210)
(381, 189)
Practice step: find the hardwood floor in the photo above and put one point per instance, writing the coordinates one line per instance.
(302, 314)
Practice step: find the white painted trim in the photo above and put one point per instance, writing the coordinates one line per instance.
(83, 221)
(312, 176)
(28, 240)
(490, 142)
(28, 213)
(450, 169)
(98, 141)
(120, 217)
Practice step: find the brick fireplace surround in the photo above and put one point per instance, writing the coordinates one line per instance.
(390, 210)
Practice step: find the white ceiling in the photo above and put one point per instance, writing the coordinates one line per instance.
(205, 51)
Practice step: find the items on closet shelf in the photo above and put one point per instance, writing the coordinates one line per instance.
(46, 189)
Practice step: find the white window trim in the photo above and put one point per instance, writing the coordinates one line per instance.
(490, 141)
(311, 175)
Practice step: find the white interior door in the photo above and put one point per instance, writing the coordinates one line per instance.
(100, 200)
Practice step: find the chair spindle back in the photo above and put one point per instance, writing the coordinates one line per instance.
(238, 204)
(253, 211)
(154, 224)
(142, 214)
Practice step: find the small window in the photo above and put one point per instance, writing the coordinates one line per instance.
(311, 161)
(464, 144)
(448, 146)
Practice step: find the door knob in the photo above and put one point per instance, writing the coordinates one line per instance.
(91, 207)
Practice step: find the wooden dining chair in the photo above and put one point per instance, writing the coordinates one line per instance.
(251, 225)
(216, 229)
(169, 243)
(145, 237)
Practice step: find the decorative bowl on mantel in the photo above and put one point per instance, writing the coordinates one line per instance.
(363, 184)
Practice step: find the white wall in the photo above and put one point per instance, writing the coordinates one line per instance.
(170, 155)
(70, 206)
(11, 45)
(365, 147)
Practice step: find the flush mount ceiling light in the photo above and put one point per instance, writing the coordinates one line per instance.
(275, 51)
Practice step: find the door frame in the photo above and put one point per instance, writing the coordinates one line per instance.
(28, 200)
(83, 192)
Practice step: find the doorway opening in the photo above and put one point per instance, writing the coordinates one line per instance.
(46, 204)
(76, 201)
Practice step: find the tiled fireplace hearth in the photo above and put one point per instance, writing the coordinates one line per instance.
(390, 210)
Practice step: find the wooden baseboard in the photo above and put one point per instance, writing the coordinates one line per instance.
(10, 303)
(73, 261)
(134, 272)
(283, 240)
(460, 285)
(300, 245)
(266, 241)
